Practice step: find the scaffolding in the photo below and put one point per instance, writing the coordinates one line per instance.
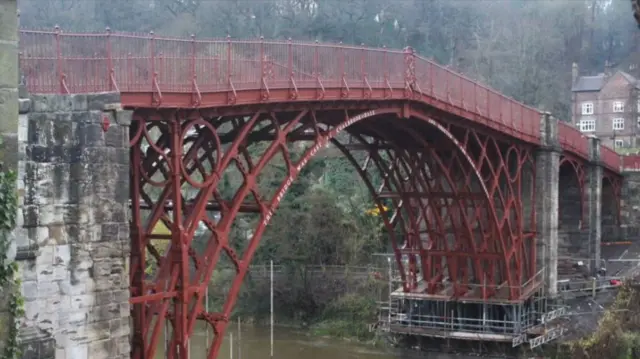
(470, 318)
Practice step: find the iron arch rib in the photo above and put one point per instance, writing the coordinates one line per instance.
(181, 163)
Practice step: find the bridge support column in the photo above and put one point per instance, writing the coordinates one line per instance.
(594, 204)
(547, 181)
(73, 235)
(630, 207)
(8, 82)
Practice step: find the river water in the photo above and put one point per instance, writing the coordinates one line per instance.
(254, 343)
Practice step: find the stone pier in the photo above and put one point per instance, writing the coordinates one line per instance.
(593, 211)
(547, 180)
(73, 235)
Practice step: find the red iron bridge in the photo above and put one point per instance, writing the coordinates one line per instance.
(467, 180)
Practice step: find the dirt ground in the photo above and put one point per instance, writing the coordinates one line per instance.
(584, 313)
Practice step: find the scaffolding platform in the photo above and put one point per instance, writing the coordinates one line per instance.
(471, 316)
(473, 295)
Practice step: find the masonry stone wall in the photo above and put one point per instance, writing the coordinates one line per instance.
(8, 117)
(73, 240)
(630, 207)
(610, 228)
(572, 237)
(547, 181)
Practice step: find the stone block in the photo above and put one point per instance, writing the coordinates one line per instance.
(24, 105)
(56, 304)
(30, 290)
(8, 20)
(23, 129)
(76, 320)
(117, 136)
(9, 154)
(124, 345)
(101, 349)
(124, 117)
(8, 64)
(92, 332)
(84, 287)
(44, 348)
(100, 100)
(104, 313)
(121, 296)
(78, 351)
(79, 102)
(90, 135)
(51, 103)
(22, 91)
(109, 282)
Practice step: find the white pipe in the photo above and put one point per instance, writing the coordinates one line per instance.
(271, 309)
(206, 308)
(239, 338)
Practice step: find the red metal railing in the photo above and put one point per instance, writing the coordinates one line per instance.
(572, 139)
(611, 158)
(57, 62)
(631, 162)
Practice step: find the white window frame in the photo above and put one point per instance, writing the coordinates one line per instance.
(587, 125)
(618, 143)
(618, 106)
(617, 124)
(638, 106)
(587, 108)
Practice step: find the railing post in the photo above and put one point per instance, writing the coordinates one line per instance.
(152, 58)
(229, 61)
(195, 91)
(231, 98)
(431, 78)
(129, 71)
(262, 62)
(409, 71)
(59, 60)
(385, 64)
(290, 68)
(193, 61)
(363, 72)
(110, 69)
(461, 92)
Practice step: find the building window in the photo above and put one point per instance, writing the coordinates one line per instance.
(618, 124)
(587, 108)
(618, 106)
(638, 106)
(587, 125)
(618, 143)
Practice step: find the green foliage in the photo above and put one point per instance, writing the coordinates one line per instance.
(618, 334)
(9, 280)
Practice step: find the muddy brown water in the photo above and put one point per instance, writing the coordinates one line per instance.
(254, 343)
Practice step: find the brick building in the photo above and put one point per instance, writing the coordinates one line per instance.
(606, 105)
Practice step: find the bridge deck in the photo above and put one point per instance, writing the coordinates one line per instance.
(154, 72)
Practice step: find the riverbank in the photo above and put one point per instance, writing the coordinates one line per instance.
(605, 327)
(336, 304)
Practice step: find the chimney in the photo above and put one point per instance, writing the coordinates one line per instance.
(574, 73)
(607, 68)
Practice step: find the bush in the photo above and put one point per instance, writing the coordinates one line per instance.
(618, 334)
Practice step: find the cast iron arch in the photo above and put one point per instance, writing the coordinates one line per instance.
(183, 225)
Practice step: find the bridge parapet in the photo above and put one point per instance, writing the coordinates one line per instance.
(174, 72)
